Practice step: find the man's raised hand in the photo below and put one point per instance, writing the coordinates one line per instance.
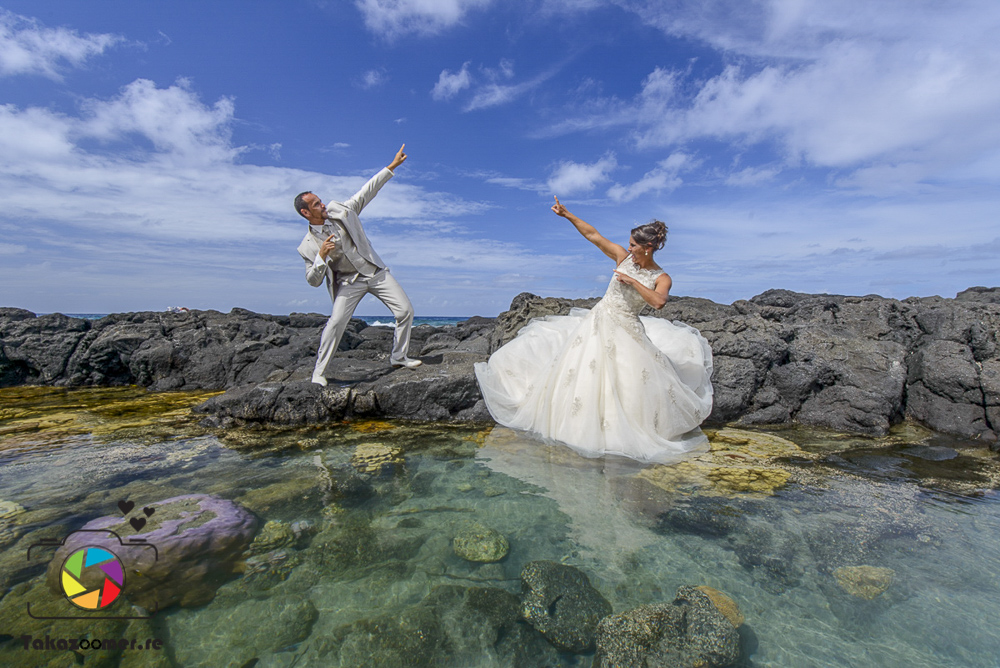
(399, 159)
(559, 209)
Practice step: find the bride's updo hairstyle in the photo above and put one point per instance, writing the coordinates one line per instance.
(653, 233)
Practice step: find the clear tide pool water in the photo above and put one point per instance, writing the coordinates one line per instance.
(920, 508)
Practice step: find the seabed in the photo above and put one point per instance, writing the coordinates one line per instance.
(838, 550)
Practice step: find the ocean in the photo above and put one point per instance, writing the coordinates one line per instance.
(372, 320)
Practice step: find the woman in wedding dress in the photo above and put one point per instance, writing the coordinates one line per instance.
(605, 381)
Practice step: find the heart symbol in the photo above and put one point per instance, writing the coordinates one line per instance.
(126, 506)
(149, 511)
(137, 522)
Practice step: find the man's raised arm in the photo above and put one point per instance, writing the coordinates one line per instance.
(368, 191)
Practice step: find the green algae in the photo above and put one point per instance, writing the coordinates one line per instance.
(44, 417)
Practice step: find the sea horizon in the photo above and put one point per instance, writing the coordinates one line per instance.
(371, 320)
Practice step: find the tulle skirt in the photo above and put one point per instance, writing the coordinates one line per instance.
(604, 383)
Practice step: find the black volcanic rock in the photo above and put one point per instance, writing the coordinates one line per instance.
(526, 307)
(856, 364)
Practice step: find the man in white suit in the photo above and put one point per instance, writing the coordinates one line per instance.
(337, 250)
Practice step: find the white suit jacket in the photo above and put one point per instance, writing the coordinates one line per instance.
(347, 214)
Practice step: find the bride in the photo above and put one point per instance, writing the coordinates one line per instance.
(605, 381)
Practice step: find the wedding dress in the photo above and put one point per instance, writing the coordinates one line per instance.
(605, 381)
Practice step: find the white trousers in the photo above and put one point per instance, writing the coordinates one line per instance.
(388, 290)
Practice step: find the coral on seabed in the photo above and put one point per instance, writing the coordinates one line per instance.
(375, 457)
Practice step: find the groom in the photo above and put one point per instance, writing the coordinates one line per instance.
(336, 249)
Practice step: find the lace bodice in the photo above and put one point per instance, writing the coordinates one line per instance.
(624, 298)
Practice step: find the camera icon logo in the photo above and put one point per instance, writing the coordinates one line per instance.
(92, 571)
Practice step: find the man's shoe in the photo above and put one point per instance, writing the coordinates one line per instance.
(319, 380)
(408, 363)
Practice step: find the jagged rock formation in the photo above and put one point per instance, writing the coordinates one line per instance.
(854, 364)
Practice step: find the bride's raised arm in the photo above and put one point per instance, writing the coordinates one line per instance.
(590, 233)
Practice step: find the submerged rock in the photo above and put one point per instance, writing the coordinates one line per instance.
(452, 627)
(349, 487)
(865, 582)
(727, 606)
(479, 543)
(272, 536)
(239, 635)
(748, 479)
(559, 601)
(349, 546)
(690, 632)
(931, 453)
(738, 461)
(9, 509)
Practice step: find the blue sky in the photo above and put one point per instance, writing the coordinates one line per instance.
(149, 152)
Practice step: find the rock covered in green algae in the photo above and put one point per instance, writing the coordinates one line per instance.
(198, 540)
(411, 638)
(8, 511)
(864, 581)
(263, 571)
(476, 542)
(690, 632)
(289, 493)
(452, 626)
(560, 603)
(739, 461)
(220, 635)
(350, 547)
(272, 536)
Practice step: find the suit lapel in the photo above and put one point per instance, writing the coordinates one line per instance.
(353, 227)
(310, 246)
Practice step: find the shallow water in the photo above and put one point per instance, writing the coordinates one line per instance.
(921, 505)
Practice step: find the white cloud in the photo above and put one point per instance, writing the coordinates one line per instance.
(905, 92)
(664, 177)
(496, 94)
(173, 119)
(494, 91)
(752, 176)
(519, 183)
(35, 134)
(449, 85)
(394, 18)
(505, 70)
(28, 48)
(574, 177)
(373, 78)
